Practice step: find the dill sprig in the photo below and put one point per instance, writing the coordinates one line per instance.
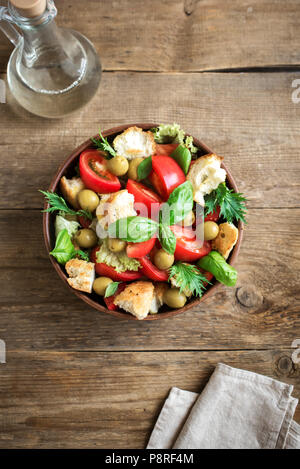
(59, 204)
(104, 145)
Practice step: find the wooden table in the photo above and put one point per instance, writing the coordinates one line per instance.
(224, 70)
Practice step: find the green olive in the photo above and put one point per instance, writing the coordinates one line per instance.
(100, 284)
(163, 260)
(189, 219)
(116, 245)
(211, 230)
(118, 165)
(133, 166)
(88, 200)
(173, 298)
(86, 238)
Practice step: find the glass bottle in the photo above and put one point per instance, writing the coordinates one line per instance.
(52, 71)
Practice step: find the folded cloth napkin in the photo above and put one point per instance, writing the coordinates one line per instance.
(238, 409)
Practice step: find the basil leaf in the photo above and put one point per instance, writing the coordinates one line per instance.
(133, 229)
(111, 289)
(216, 264)
(167, 238)
(144, 168)
(179, 204)
(64, 249)
(183, 157)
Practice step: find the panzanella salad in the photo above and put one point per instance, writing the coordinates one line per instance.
(146, 221)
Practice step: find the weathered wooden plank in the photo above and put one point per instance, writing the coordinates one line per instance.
(261, 312)
(250, 119)
(169, 35)
(108, 400)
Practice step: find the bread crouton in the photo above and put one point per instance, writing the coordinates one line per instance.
(134, 142)
(157, 300)
(70, 189)
(205, 175)
(136, 298)
(82, 274)
(114, 206)
(226, 239)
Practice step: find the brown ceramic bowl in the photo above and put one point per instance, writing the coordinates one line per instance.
(67, 169)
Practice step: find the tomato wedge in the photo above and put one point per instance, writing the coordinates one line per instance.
(166, 148)
(94, 173)
(109, 301)
(152, 272)
(108, 271)
(166, 175)
(85, 222)
(143, 195)
(214, 216)
(188, 247)
(140, 249)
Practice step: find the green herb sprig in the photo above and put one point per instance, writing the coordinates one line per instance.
(64, 249)
(104, 145)
(189, 278)
(232, 204)
(111, 289)
(58, 204)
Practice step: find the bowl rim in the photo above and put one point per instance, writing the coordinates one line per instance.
(84, 296)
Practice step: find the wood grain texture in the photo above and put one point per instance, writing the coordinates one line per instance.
(261, 312)
(107, 400)
(178, 35)
(249, 119)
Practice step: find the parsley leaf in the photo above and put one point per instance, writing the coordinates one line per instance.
(188, 278)
(104, 145)
(232, 204)
(58, 203)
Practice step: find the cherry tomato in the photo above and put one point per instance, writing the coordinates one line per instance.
(144, 195)
(166, 175)
(165, 149)
(152, 272)
(108, 271)
(94, 173)
(214, 216)
(140, 249)
(188, 247)
(109, 301)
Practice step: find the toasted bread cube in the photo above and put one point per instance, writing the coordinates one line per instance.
(70, 189)
(134, 142)
(136, 298)
(157, 300)
(226, 239)
(114, 206)
(82, 274)
(205, 175)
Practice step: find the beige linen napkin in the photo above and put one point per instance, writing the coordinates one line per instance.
(237, 409)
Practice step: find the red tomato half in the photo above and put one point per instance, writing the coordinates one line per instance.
(108, 271)
(140, 249)
(152, 272)
(188, 247)
(214, 216)
(143, 195)
(94, 173)
(166, 175)
(165, 149)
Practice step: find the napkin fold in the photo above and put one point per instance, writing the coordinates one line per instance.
(237, 409)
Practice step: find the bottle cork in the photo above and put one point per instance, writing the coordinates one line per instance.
(29, 8)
